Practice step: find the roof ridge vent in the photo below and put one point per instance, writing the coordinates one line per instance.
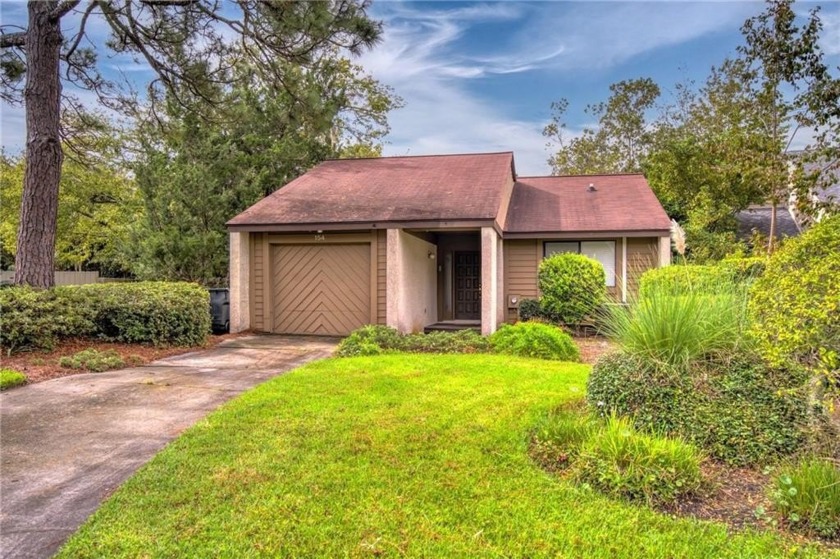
(591, 188)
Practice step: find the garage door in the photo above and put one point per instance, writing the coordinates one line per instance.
(320, 289)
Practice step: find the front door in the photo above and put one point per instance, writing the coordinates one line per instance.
(468, 285)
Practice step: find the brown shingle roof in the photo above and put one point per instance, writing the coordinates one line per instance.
(417, 188)
(566, 205)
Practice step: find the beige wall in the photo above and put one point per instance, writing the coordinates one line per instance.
(522, 259)
(411, 282)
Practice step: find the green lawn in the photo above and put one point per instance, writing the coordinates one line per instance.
(416, 455)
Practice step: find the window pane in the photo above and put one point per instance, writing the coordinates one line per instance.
(603, 252)
(557, 248)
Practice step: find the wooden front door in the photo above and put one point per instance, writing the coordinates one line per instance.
(468, 285)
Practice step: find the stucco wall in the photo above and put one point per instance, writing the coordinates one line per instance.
(411, 282)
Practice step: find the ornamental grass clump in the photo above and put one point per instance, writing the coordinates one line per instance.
(806, 495)
(556, 438)
(622, 462)
(673, 330)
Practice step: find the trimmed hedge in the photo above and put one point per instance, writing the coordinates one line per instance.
(573, 286)
(741, 411)
(535, 339)
(160, 313)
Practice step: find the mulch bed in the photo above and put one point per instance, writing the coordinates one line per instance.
(39, 366)
(593, 347)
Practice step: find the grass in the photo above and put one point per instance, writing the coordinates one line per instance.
(394, 455)
(807, 496)
(10, 378)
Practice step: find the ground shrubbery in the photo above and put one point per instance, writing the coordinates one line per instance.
(795, 304)
(806, 494)
(611, 456)
(573, 286)
(742, 411)
(10, 378)
(687, 366)
(159, 313)
(526, 339)
(535, 339)
(93, 360)
(374, 340)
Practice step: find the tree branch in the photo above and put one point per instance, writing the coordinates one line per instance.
(12, 40)
(81, 32)
(61, 10)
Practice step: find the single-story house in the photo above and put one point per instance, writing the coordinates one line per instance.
(416, 241)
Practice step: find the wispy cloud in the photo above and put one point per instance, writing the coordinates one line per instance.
(427, 58)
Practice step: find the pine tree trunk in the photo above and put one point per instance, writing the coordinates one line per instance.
(35, 259)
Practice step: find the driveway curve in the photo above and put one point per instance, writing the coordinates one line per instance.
(68, 443)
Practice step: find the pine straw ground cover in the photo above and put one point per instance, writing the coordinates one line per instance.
(41, 365)
(386, 456)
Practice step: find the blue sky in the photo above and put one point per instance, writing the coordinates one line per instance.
(480, 76)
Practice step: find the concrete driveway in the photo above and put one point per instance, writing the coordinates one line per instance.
(68, 443)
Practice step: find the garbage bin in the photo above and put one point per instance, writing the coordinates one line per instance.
(220, 309)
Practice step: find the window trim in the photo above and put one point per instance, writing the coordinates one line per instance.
(579, 248)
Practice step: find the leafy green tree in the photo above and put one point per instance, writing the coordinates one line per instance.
(620, 141)
(197, 173)
(787, 76)
(187, 43)
(97, 200)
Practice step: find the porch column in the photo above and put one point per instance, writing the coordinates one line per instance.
(664, 251)
(489, 280)
(240, 281)
(393, 277)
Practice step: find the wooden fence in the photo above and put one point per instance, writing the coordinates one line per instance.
(63, 278)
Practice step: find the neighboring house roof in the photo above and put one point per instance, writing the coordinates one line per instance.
(758, 218)
(456, 189)
(415, 188)
(585, 203)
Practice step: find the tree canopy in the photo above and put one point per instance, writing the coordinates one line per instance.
(192, 46)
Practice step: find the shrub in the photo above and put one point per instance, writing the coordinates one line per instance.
(806, 494)
(535, 339)
(93, 360)
(573, 286)
(681, 279)
(795, 304)
(32, 318)
(620, 461)
(10, 378)
(160, 313)
(151, 312)
(741, 411)
(744, 269)
(674, 328)
(373, 340)
(529, 309)
(557, 437)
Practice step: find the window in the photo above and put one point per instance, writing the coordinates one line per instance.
(602, 251)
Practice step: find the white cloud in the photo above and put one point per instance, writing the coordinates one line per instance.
(426, 60)
(830, 39)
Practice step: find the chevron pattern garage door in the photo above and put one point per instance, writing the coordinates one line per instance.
(321, 289)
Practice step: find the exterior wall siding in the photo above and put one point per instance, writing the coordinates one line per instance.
(642, 255)
(257, 277)
(523, 256)
(381, 286)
